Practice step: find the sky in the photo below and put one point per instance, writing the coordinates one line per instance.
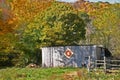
(110, 1)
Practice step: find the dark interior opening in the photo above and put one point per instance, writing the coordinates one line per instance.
(39, 57)
(107, 53)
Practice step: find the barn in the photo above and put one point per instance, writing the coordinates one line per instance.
(71, 56)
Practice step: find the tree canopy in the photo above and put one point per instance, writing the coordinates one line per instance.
(60, 24)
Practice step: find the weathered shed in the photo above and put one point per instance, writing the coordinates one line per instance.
(75, 56)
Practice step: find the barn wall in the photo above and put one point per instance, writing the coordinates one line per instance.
(54, 56)
(98, 50)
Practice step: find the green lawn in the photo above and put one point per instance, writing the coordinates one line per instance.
(54, 74)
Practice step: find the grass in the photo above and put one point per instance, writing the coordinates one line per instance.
(54, 74)
(32, 73)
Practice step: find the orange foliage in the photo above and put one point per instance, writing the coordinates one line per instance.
(16, 10)
(27, 9)
(90, 7)
(7, 19)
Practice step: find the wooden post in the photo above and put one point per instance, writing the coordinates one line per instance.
(95, 65)
(88, 65)
(104, 63)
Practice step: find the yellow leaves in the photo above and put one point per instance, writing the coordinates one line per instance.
(8, 25)
(14, 18)
(27, 9)
(10, 22)
(104, 5)
(91, 8)
(86, 3)
(7, 42)
(107, 32)
(0, 10)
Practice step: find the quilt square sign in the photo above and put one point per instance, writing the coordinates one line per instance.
(68, 53)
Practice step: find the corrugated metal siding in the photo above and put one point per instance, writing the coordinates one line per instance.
(54, 56)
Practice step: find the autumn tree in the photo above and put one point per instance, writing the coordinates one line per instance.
(8, 24)
(106, 22)
(26, 10)
(14, 17)
(57, 25)
(7, 18)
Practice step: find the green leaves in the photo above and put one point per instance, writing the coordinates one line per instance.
(58, 25)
